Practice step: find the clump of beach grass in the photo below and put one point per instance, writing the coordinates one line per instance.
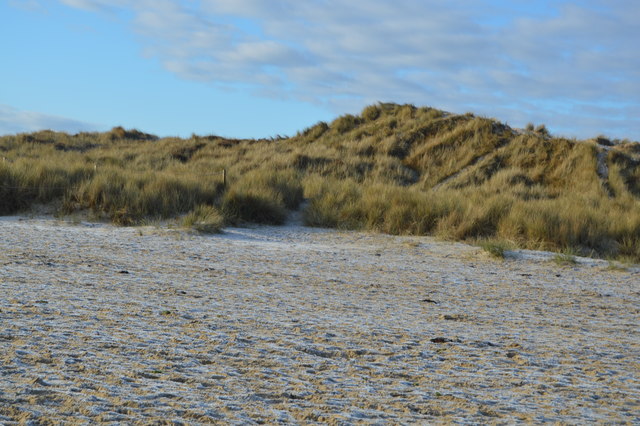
(205, 219)
(496, 248)
(565, 258)
(262, 196)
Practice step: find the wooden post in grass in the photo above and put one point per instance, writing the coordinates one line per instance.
(224, 177)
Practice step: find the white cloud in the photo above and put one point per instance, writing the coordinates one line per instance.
(13, 121)
(479, 54)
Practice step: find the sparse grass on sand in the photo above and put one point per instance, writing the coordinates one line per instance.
(496, 248)
(565, 259)
(395, 169)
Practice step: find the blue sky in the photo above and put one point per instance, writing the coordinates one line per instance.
(257, 68)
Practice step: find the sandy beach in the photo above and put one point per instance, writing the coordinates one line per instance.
(292, 325)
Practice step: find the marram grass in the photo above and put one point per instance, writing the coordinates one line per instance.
(395, 168)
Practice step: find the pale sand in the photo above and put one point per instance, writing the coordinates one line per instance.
(296, 325)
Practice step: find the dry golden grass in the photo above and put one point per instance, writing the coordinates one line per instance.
(395, 169)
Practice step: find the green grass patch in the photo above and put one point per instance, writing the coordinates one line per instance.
(496, 248)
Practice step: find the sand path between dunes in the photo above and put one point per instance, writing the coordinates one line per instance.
(299, 325)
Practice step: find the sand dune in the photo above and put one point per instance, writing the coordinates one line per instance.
(299, 325)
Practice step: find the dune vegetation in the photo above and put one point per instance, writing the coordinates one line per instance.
(394, 168)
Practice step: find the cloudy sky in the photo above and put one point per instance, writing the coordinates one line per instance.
(259, 68)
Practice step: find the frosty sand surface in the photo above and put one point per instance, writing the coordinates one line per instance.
(291, 324)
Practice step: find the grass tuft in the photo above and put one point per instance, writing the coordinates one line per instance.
(565, 259)
(496, 248)
(205, 219)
